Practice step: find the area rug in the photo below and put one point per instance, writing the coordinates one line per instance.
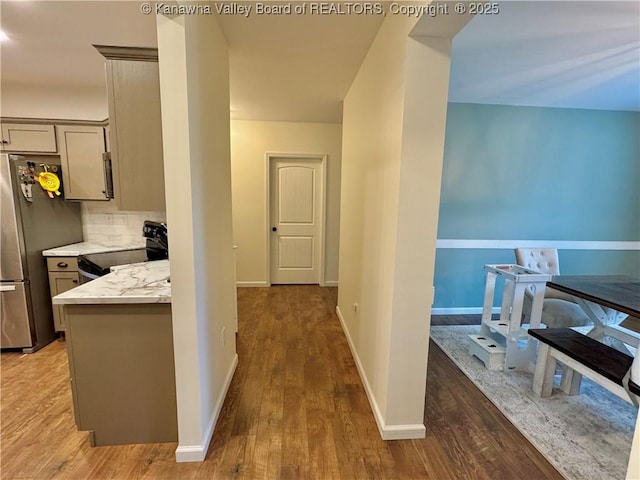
(587, 436)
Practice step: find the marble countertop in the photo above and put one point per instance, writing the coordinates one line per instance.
(136, 283)
(85, 248)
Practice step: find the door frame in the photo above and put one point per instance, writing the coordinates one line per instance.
(270, 157)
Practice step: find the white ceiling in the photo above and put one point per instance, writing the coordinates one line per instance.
(566, 54)
(283, 67)
(299, 67)
(561, 54)
(50, 41)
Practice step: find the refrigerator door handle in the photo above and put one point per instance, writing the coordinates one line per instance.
(7, 288)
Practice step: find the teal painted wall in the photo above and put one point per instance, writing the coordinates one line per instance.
(531, 173)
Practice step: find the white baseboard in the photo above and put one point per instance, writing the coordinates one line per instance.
(197, 453)
(404, 432)
(327, 283)
(387, 432)
(252, 284)
(190, 453)
(461, 310)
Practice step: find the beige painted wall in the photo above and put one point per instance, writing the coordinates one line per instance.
(372, 133)
(194, 84)
(41, 101)
(393, 143)
(250, 141)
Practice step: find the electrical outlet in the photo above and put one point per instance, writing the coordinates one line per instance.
(224, 338)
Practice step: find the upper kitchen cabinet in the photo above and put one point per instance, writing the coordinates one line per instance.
(81, 148)
(133, 89)
(28, 138)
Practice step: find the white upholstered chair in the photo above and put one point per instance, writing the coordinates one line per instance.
(559, 309)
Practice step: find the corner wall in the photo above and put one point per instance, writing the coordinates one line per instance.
(371, 149)
(194, 87)
(393, 142)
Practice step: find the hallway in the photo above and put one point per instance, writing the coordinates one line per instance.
(296, 409)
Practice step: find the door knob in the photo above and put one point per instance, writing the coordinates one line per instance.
(274, 229)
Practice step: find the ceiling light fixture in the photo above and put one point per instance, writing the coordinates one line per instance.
(3, 36)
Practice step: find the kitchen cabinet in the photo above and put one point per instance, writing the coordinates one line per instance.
(133, 90)
(83, 172)
(63, 276)
(122, 372)
(28, 138)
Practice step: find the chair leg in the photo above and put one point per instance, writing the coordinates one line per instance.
(545, 369)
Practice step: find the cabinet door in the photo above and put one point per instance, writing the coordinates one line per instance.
(28, 138)
(60, 282)
(81, 149)
(136, 134)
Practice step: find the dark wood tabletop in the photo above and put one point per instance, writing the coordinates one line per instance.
(620, 292)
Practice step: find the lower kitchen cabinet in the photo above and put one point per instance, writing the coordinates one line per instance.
(63, 276)
(122, 372)
(60, 282)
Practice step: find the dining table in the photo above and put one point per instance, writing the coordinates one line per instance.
(607, 300)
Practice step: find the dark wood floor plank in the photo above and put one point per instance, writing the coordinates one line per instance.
(296, 408)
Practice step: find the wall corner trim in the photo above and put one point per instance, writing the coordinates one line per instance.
(197, 453)
(387, 432)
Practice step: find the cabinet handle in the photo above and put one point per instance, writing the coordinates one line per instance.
(63, 264)
(74, 281)
(4, 141)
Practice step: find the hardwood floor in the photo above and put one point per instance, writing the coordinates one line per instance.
(296, 409)
(456, 319)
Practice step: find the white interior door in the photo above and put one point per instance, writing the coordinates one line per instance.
(296, 204)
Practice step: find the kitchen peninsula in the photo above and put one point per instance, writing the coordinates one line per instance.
(62, 267)
(120, 348)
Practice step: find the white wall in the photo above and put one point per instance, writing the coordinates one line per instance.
(393, 141)
(194, 86)
(41, 101)
(103, 223)
(372, 132)
(250, 141)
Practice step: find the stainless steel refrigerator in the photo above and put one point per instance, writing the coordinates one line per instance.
(32, 221)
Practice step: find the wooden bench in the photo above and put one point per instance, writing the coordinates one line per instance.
(581, 355)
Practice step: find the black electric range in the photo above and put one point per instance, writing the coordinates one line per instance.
(95, 265)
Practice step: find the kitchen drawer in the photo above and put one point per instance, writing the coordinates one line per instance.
(62, 264)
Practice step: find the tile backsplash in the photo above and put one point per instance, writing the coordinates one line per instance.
(102, 222)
